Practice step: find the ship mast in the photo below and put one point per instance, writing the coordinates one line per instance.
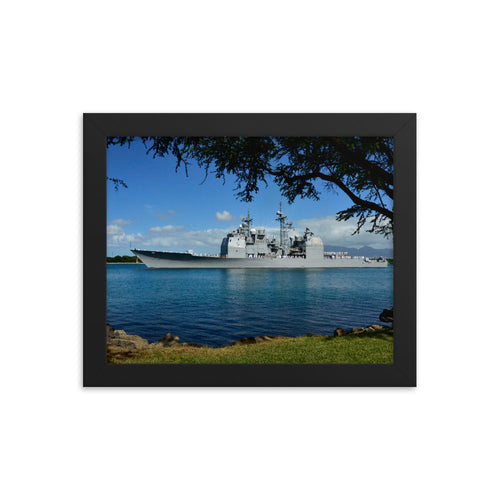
(284, 227)
(247, 221)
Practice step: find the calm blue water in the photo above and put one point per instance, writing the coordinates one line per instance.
(218, 306)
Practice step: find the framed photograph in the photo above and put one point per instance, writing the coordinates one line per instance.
(249, 250)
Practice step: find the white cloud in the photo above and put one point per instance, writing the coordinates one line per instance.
(333, 232)
(166, 229)
(165, 214)
(224, 215)
(179, 238)
(113, 229)
(117, 237)
(122, 222)
(174, 238)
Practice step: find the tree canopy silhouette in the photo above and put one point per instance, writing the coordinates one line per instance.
(361, 167)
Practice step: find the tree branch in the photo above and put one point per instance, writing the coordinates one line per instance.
(359, 159)
(356, 199)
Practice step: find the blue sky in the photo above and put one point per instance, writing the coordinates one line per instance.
(164, 210)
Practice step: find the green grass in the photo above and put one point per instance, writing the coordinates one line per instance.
(367, 348)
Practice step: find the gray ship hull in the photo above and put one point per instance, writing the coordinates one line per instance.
(174, 260)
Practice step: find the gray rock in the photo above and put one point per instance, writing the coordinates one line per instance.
(119, 338)
(128, 341)
(262, 338)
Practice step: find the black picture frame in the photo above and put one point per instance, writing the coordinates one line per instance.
(98, 373)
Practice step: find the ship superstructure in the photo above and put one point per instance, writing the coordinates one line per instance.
(248, 247)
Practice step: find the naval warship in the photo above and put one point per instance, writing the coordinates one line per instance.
(246, 247)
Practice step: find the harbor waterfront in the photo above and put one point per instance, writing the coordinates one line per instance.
(215, 307)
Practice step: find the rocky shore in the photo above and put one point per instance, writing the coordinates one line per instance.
(123, 340)
(120, 340)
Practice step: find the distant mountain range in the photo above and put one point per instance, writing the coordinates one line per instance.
(363, 251)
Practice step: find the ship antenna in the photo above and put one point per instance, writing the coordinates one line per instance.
(284, 226)
(248, 221)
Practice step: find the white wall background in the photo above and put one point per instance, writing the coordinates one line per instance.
(60, 59)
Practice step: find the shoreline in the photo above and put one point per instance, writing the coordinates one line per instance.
(120, 338)
(367, 347)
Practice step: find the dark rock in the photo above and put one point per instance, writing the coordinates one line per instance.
(247, 340)
(111, 333)
(340, 332)
(386, 316)
(194, 344)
